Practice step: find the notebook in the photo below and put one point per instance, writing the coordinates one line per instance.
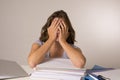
(10, 69)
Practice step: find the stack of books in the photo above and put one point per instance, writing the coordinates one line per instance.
(57, 69)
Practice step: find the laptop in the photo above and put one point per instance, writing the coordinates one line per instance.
(10, 69)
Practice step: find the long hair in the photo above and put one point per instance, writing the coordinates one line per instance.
(60, 14)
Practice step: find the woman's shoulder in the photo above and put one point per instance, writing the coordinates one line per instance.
(39, 42)
(73, 45)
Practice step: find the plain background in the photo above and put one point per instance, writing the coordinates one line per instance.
(96, 22)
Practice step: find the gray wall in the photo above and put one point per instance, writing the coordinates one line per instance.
(97, 25)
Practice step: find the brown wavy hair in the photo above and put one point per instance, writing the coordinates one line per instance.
(60, 14)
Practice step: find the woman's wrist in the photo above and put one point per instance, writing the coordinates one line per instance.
(50, 40)
(62, 42)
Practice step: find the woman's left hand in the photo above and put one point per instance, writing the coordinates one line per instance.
(63, 31)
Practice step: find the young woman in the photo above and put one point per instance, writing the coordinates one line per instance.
(56, 41)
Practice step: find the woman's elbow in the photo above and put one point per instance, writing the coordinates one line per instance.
(81, 63)
(31, 63)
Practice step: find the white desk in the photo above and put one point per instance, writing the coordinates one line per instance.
(112, 74)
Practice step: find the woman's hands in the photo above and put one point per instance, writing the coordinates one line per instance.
(58, 31)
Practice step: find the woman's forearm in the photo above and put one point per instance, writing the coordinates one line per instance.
(38, 55)
(74, 54)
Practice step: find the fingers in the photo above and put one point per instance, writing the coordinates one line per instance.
(58, 22)
(63, 31)
(63, 26)
(54, 21)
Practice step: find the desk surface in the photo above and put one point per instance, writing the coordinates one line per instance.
(112, 74)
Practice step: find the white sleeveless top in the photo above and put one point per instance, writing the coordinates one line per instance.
(48, 54)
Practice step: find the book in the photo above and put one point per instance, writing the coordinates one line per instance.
(58, 68)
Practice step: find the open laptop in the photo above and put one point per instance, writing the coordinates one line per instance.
(10, 69)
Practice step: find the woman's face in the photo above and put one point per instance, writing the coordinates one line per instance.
(60, 20)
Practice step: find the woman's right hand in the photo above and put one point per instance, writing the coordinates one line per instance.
(53, 29)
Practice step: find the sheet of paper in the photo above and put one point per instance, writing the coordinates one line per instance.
(58, 68)
(57, 63)
(64, 71)
(53, 75)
